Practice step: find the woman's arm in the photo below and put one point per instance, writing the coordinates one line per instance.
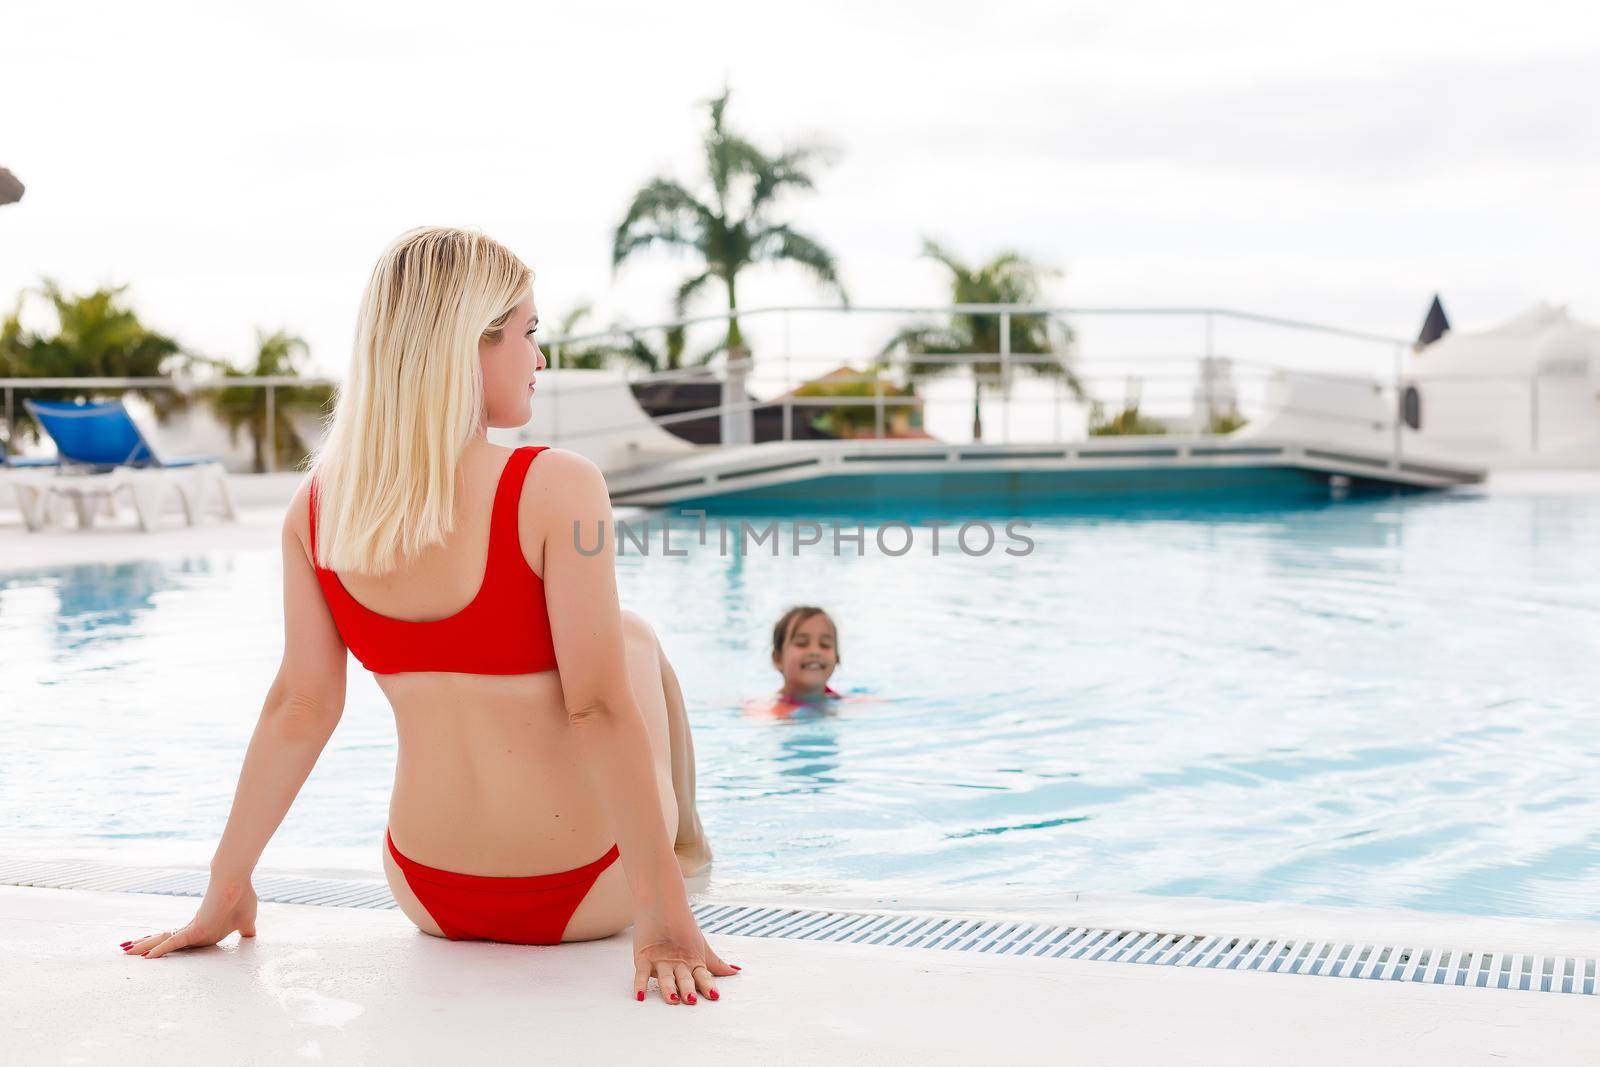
(586, 627)
(298, 716)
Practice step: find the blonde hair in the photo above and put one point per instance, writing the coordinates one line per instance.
(385, 474)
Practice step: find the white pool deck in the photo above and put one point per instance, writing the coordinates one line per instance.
(339, 985)
(348, 985)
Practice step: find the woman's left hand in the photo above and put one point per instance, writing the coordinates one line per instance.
(229, 905)
(680, 965)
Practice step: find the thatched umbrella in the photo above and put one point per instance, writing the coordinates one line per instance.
(10, 188)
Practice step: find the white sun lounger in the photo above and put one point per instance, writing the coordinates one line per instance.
(103, 453)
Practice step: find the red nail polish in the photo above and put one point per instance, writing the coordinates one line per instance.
(673, 998)
(125, 944)
(640, 994)
(690, 998)
(713, 994)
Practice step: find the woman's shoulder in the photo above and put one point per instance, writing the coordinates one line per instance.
(562, 459)
(562, 485)
(297, 516)
(561, 472)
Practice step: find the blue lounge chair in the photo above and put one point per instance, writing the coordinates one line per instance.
(101, 436)
(102, 450)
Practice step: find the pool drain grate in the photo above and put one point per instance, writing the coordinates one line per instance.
(1430, 965)
(1327, 958)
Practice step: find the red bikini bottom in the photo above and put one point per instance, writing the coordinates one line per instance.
(527, 910)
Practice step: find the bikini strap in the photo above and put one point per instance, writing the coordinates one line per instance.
(505, 548)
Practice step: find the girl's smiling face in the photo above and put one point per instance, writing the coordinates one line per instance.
(809, 656)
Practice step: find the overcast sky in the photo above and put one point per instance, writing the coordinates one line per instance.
(243, 164)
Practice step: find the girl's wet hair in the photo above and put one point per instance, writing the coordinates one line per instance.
(791, 620)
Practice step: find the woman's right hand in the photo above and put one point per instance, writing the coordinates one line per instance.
(229, 905)
(680, 961)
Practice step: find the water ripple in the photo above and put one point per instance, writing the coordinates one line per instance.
(1386, 703)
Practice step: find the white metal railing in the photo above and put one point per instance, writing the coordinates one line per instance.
(1004, 310)
(1189, 374)
(1158, 380)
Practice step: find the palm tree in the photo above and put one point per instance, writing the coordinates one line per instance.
(601, 352)
(244, 407)
(729, 227)
(1007, 278)
(95, 336)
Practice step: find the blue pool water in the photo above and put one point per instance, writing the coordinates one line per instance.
(1382, 702)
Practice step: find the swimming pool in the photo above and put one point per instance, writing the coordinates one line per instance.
(1386, 702)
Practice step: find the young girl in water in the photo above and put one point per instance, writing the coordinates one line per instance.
(805, 650)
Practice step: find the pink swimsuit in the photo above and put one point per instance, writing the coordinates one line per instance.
(784, 698)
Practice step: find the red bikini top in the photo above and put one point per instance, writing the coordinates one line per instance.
(504, 630)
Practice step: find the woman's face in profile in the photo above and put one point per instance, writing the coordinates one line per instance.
(509, 366)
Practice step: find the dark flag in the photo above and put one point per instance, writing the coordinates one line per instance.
(1435, 326)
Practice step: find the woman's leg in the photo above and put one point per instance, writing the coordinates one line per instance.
(645, 661)
(694, 852)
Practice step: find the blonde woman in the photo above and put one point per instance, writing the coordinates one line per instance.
(541, 730)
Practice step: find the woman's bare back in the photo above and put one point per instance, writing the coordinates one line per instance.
(489, 779)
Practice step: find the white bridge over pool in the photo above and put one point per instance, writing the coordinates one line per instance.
(1282, 407)
(873, 472)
